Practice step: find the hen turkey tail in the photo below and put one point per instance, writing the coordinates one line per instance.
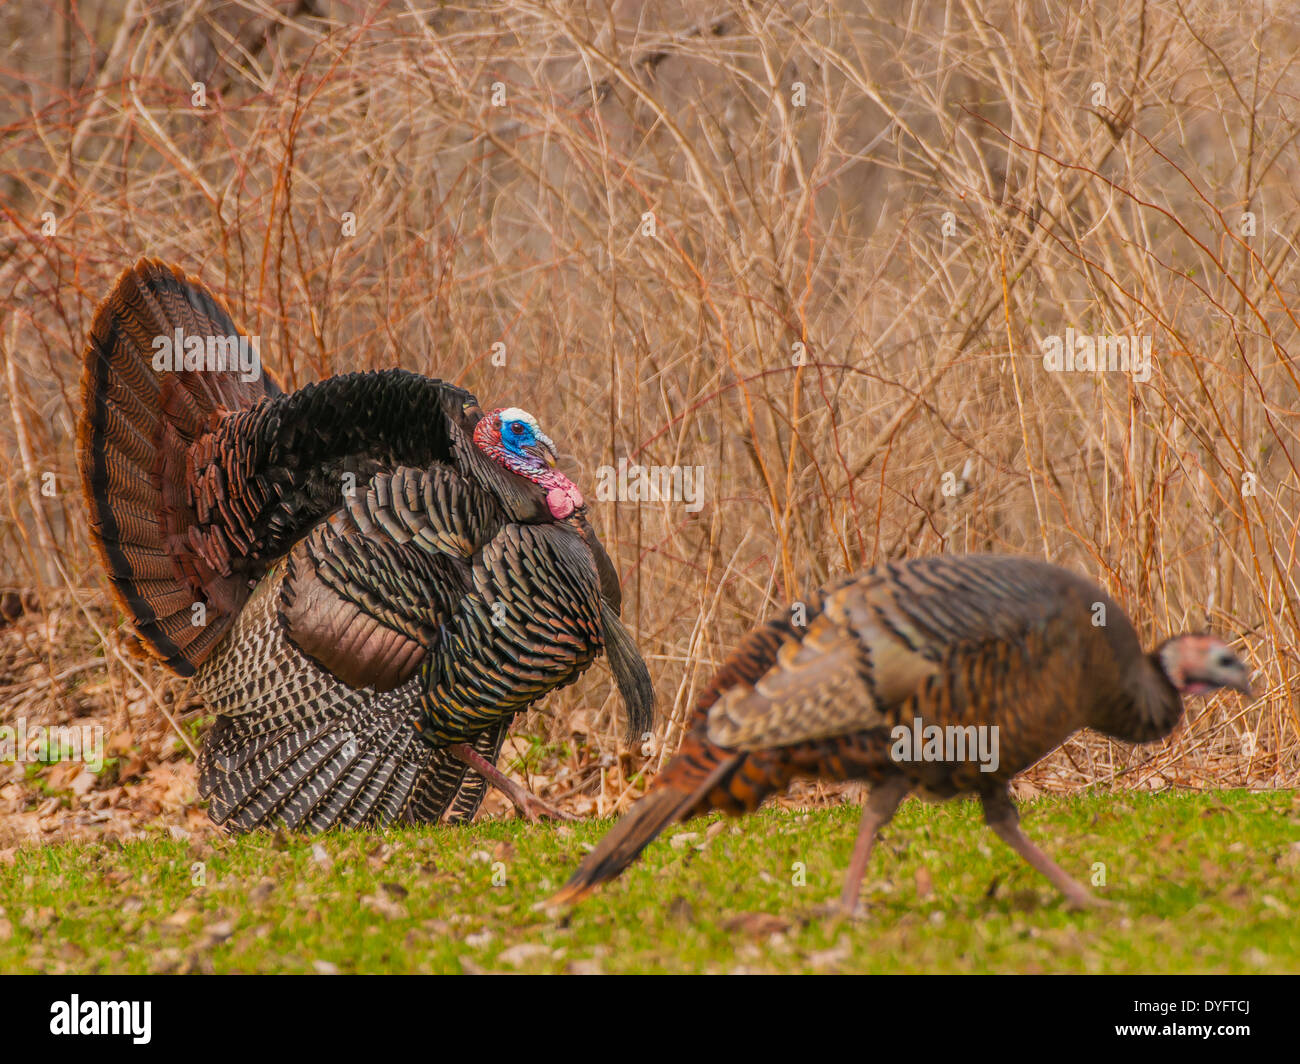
(136, 427)
(685, 785)
(705, 777)
(702, 776)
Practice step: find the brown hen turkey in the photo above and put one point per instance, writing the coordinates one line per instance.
(367, 578)
(1007, 657)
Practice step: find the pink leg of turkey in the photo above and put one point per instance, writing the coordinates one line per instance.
(530, 807)
(878, 811)
(1000, 814)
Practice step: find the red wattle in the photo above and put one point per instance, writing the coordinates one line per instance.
(563, 501)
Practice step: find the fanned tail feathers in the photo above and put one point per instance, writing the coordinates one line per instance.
(136, 427)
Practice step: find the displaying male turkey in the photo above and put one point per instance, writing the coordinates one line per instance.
(367, 578)
(1029, 649)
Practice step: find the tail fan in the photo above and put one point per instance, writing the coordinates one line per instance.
(136, 427)
(196, 479)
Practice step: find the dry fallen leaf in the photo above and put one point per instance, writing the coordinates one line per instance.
(522, 953)
(829, 959)
(181, 917)
(216, 933)
(680, 909)
(384, 906)
(262, 891)
(760, 925)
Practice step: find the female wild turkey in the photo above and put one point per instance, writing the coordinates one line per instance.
(367, 578)
(1010, 644)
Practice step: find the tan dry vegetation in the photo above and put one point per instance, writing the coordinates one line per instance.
(1096, 163)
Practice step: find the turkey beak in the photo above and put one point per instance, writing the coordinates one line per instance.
(544, 451)
(1243, 685)
(1237, 676)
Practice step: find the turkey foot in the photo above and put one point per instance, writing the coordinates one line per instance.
(1000, 815)
(529, 806)
(878, 811)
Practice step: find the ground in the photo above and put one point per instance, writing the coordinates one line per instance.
(1202, 882)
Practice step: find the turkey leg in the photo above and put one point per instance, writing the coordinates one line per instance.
(1000, 814)
(878, 811)
(529, 806)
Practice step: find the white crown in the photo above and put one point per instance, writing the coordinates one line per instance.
(513, 413)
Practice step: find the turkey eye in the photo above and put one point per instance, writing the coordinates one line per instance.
(517, 428)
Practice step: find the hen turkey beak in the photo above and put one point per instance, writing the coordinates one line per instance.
(1237, 677)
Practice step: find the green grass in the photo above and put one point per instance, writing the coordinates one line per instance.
(1201, 882)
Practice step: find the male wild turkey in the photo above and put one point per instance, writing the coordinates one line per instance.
(1030, 649)
(367, 578)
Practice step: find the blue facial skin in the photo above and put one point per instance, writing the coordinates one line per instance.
(516, 436)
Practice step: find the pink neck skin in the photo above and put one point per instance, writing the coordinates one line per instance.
(562, 494)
